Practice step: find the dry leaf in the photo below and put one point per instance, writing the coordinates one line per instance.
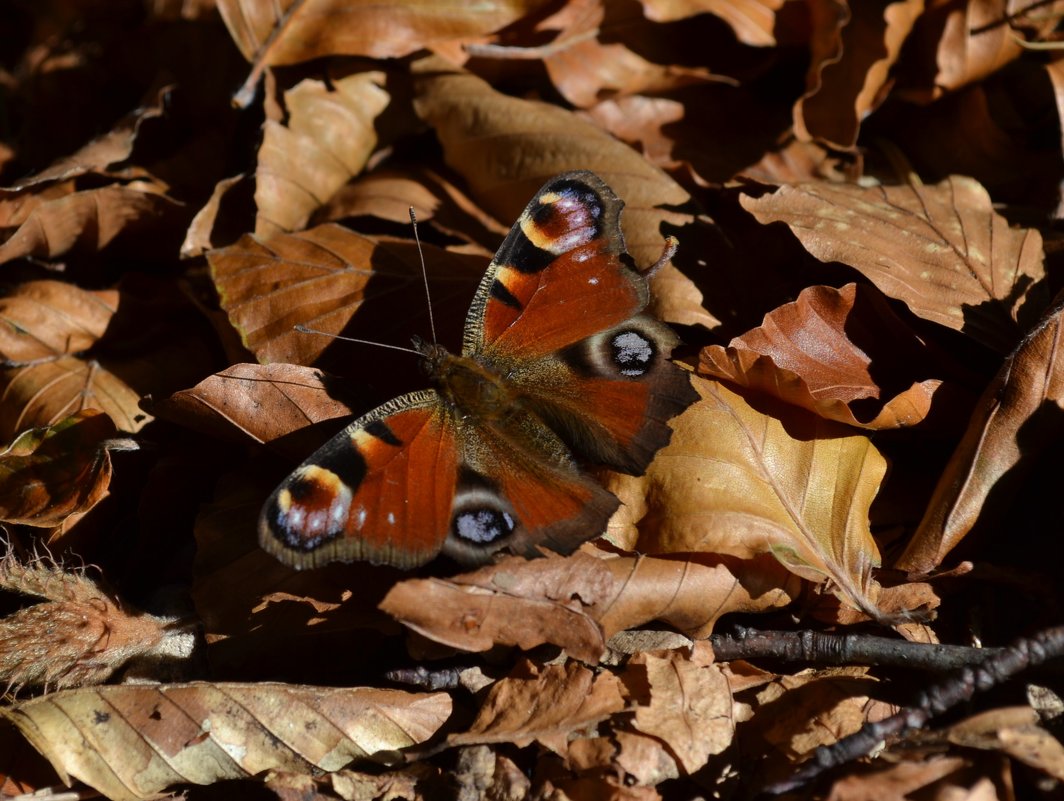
(752, 20)
(134, 741)
(327, 138)
(49, 474)
(544, 704)
(940, 249)
(743, 483)
(1018, 417)
(818, 353)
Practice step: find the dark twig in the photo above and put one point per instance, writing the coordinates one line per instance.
(845, 649)
(995, 669)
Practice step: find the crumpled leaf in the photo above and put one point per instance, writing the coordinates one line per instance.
(320, 278)
(743, 483)
(580, 601)
(818, 353)
(941, 249)
(689, 704)
(48, 474)
(132, 742)
(1018, 417)
(325, 141)
(752, 20)
(545, 704)
(79, 634)
(44, 324)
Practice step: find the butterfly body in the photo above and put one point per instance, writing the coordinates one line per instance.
(559, 368)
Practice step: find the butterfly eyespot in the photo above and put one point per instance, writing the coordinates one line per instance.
(483, 526)
(632, 353)
(312, 508)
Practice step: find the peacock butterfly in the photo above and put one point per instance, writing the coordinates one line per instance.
(559, 368)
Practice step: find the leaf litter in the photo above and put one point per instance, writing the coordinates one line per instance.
(865, 286)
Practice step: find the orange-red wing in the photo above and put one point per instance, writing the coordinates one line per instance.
(558, 276)
(381, 490)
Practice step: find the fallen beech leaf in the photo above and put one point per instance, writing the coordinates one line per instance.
(45, 323)
(580, 601)
(941, 249)
(818, 353)
(1018, 417)
(132, 742)
(506, 148)
(289, 31)
(80, 634)
(201, 235)
(260, 402)
(88, 220)
(321, 278)
(860, 45)
(328, 136)
(752, 20)
(689, 706)
(743, 483)
(544, 704)
(413, 783)
(909, 779)
(48, 474)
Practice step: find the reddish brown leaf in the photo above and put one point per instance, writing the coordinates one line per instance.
(1018, 417)
(752, 20)
(132, 742)
(818, 353)
(940, 249)
(48, 474)
(544, 704)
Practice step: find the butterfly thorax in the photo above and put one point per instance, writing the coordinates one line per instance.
(467, 385)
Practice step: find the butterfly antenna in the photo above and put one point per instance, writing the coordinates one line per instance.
(304, 330)
(424, 275)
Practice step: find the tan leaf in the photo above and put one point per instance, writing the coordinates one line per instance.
(689, 707)
(201, 233)
(940, 249)
(327, 138)
(817, 353)
(321, 277)
(580, 601)
(48, 474)
(743, 483)
(902, 781)
(1018, 417)
(860, 43)
(543, 704)
(289, 31)
(418, 782)
(134, 741)
(752, 20)
(46, 322)
(88, 220)
(260, 402)
(80, 634)
(506, 148)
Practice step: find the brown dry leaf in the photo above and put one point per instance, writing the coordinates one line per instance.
(689, 707)
(321, 277)
(940, 249)
(1014, 731)
(906, 780)
(743, 483)
(752, 20)
(544, 704)
(88, 220)
(134, 741)
(1018, 417)
(415, 783)
(201, 234)
(49, 474)
(79, 635)
(579, 602)
(506, 148)
(260, 402)
(327, 138)
(860, 42)
(45, 323)
(817, 353)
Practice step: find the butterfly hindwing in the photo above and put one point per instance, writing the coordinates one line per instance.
(381, 490)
